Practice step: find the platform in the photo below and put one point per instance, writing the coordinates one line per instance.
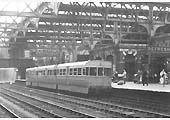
(156, 87)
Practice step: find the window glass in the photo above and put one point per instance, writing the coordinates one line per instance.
(49, 72)
(75, 71)
(93, 71)
(79, 71)
(71, 71)
(107, 71)
(100, 72)
(61, 71)
(84, 71)
(64, 71)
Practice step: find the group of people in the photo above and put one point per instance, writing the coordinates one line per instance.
(141, 76)
(116, 76)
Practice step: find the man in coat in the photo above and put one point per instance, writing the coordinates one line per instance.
(145, 78)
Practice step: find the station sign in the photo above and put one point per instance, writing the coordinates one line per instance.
(159, 49)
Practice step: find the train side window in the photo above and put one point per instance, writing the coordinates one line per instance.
(64, 71)
(107, 71)
(49, 72)
(75, 71)
(36, 72)
(93, 71)
(79, 71)
(61, 71)
(71, 71)
(100, 71)
(84, 71)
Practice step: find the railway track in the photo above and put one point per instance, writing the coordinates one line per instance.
(144, 104)
(5, 112)
(110, 110)
(41, 107)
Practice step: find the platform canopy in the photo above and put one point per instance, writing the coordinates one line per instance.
(41, 26)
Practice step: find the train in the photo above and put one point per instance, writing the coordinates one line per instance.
(8, 75)
(79, 77)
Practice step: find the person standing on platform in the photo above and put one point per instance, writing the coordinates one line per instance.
(138, 76)
(115, 77)
(163, 77)
(145, 78)
(124, 74)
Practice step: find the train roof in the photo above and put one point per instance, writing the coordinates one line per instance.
(42, 67)
(93, 63)
(89, 63)
(28, 69)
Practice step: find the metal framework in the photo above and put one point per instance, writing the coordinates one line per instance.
(67, 26)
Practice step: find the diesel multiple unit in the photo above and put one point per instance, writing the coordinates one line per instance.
(81, 77)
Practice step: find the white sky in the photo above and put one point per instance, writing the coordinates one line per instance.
(21, 6)
(16, 5)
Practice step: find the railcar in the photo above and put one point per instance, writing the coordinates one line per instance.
(80, 77)
(8, 75)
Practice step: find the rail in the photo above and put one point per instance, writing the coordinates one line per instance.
(10, 112)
